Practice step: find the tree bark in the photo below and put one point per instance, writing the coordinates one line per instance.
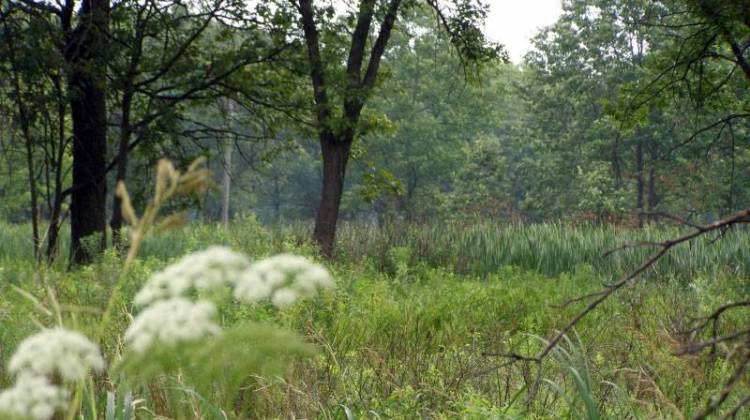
(639, 179)
(653, 197)
(83, 52)
(616, 166)
(226, 184)
(732, 181)
(24, 119)
(335, 154)
(122, 167)
(55, 215)
(336, 137)
(34, 194)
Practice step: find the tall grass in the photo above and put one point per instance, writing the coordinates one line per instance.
(478, 249)
(406, 335)
(551, 248)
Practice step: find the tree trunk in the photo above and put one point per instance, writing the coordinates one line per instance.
(730, 198)
(226, 184)
(89, 114)
(87, 206)
(33, 192)
(55, 216)
(639, 179)
(276, 200)
(653, 197)
(122, 167)
(616, 166)
(24, 119)
(335, 155)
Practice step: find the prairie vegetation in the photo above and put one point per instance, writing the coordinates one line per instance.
(235, 209)
(414, 329)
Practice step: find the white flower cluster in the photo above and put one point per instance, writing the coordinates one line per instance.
(170, 322)
(210, 269)
(283, 279)
(58, 353)
(52, 354)
(33, 397)
(170, 317)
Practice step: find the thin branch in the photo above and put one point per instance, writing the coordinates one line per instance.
(742, 216)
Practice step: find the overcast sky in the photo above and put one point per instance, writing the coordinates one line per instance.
(514, 22)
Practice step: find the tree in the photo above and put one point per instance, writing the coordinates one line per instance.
(340, 92)
(435, 114)
(80, 35)
(169, 57)
(150, 61)
(85, 50)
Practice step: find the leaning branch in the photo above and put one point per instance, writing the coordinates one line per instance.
(740, 217)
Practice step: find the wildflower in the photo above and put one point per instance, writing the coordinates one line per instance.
(282, 278)
(251, 287)
(170, 322)
(32, 397)
(284, 298)
(210, 269)
(59, 353)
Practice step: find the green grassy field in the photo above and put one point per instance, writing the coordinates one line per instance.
(419, 320)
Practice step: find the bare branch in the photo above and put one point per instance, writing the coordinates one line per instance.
(737, 218)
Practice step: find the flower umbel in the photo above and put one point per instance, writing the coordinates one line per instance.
(282, 278)
(56, 353)
(32, 397)
(171, 317)
(210, 269)
(170, 322)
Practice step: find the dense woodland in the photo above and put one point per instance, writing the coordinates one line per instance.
(392, 139)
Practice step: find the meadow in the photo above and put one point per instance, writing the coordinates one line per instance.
(419, 325)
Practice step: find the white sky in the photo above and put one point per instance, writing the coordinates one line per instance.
(513, 22)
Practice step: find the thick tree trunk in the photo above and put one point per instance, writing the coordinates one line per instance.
(87, 206)
(335, 155)
(84, 51)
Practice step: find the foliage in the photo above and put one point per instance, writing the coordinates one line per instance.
(408, 335)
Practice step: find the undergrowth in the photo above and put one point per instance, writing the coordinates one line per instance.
(421, 322)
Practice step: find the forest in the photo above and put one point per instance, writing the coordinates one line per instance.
(361, 209)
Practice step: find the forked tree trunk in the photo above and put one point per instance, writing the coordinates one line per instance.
(335, 154)
(334, 144)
